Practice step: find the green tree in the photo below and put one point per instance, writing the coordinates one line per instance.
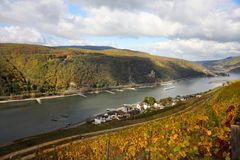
(150, 100)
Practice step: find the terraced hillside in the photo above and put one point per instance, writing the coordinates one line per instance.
(26, 69)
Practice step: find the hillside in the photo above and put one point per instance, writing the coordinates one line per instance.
(203, 132)
(230, 64)
(32, 69)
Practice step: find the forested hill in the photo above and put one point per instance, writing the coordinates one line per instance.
(230, 64)
(34, 68)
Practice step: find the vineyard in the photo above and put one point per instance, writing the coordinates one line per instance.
(202, 133)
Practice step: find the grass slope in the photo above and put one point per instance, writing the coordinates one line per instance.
(33, 68)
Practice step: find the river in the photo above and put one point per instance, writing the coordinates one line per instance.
(23, 119)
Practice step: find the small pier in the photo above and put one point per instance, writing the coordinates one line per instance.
(119, 90)
(39, 100)
(168, 88)
(110, 92)
(80, 94)
(133, 89)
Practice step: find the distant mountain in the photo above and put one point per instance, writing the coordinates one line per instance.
(235, 70)
(34, 68)
(87, 47)
(230, 64)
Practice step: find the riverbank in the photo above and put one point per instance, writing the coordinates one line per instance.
(81, 92)
(84, 91)
(39, 99)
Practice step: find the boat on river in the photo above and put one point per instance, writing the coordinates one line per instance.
(167, 83)
(131, 89)
(168, 88)
(110, 92)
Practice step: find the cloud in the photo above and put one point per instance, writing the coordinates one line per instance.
(117, 4)
(48, 16)
(52, 17)
(209, 23)
(193, 49)
(17, 34)
(103, 21)
(80, 42)
(205, 19)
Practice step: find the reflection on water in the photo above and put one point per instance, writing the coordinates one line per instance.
(22, 120)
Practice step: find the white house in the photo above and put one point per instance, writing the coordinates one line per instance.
(146, 106)
(183, 99)
(139, 107)
(199, 96)
(72, 85)
(108, 118)
(126, 108)
(159, 106)
(99, 120)
(114, 116)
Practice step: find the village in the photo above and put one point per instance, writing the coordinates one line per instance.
(148, 105)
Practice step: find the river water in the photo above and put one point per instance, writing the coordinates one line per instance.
(18, 120)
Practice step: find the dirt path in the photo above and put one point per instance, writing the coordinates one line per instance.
(88, 135)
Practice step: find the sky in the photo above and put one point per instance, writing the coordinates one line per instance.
(187, 29)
